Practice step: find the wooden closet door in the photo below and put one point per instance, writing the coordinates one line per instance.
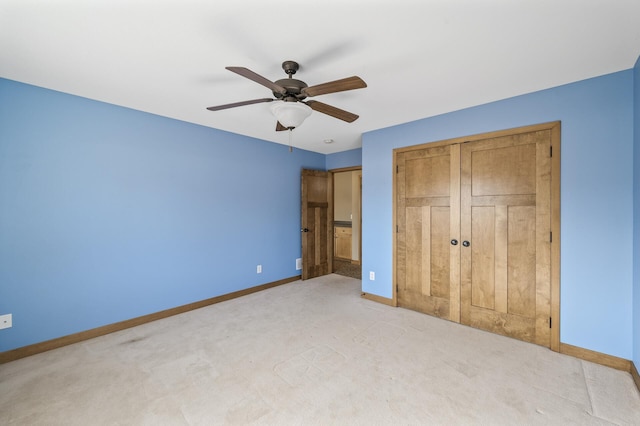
(505, 230)
(428, 218)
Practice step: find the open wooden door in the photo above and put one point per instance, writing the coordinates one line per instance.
(316, 220)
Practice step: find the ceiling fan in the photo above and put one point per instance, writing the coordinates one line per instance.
(290, 109)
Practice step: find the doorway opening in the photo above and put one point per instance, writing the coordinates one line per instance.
(347, 221)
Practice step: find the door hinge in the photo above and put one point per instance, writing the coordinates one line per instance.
(549, 322)
(396, 228)
(551, 151)
(550, 237)
(396, 169)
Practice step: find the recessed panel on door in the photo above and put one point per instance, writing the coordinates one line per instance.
(505, 228)
(424, 230)
(316, 224)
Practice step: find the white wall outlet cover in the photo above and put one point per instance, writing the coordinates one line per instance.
(372, 276)
(6, 321)
(298, 264)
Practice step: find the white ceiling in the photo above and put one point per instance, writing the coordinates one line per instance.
(419, 58)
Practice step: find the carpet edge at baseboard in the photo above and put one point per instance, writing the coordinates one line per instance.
(567, 349)
(596, 357)
(70, 339)
(379, 299)
(635, 375)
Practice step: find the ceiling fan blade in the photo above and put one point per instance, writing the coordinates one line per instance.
(237, 104)
(247, 73)
(348, 83)
(280, 127)
(332, 111)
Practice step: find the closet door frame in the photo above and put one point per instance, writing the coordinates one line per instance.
(554, 128)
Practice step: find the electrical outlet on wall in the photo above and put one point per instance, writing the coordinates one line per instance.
(372, 276)
(298, 264)
(259, 269)
(6, 321)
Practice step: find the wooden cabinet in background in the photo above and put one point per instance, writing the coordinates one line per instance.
(342, 242)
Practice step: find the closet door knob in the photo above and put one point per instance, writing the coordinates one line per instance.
(454, 242)
(466, 243)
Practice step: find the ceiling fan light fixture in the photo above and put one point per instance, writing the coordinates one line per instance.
(290, 114)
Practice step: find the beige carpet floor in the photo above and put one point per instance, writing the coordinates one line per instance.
(311, 353)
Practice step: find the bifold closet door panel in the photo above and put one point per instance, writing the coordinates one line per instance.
(428, 219)
(505, 230)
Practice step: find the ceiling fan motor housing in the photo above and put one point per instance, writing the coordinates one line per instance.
(294, 89)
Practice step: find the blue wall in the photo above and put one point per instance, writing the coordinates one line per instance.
(596, 198)
(107, 213)
(351, 158)
(636, 216)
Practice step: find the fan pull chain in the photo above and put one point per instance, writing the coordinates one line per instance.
(290, 147)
